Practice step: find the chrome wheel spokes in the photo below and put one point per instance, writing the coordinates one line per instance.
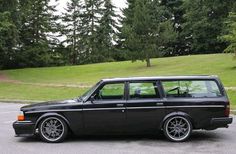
(52, 129)
(178, 128)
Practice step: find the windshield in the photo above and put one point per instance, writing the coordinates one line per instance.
(87, 93)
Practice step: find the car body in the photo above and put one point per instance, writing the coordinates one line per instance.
(175, 105)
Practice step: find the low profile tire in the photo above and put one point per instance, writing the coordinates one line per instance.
(53, 130)
(177, 128)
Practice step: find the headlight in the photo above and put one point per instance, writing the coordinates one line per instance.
(21, 116)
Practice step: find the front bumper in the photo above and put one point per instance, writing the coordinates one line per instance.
(221, 122)
(24, 128)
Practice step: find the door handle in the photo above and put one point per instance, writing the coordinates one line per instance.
(119, 105)
(159, 104)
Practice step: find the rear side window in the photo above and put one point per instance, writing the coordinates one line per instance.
(191, 88)
(143, 90)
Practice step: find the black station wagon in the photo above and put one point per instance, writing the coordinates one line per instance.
(174, 105)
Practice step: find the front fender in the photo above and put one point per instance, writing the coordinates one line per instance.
(49, 115)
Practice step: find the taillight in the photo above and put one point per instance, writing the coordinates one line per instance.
(227, 110)
(21, 117)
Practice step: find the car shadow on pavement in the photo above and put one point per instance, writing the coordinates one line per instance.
(195, 137)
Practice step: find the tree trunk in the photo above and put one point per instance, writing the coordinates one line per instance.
(148, 62)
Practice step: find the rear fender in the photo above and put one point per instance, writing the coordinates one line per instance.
(172, 114)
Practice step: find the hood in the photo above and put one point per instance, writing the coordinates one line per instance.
(49, 105)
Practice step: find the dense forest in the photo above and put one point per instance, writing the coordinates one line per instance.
(94, 32)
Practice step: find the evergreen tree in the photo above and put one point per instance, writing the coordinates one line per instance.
(72, 30)
(126, 21)
(9, 22)
(38, 26)
(8, 40)
(92, 12)
(165, 31)
(150, 33)
(230, 35)
(107, 30)
(140, 38)
(174, 13)
(203, 24)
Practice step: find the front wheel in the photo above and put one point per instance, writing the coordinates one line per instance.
(53, 130)
(177, 128)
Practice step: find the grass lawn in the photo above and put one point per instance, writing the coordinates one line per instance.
(222, 65)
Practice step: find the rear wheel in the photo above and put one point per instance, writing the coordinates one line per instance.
(53, 130)
(177, 128)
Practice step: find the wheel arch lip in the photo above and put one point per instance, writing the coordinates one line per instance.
(176, 113)
(46, 115)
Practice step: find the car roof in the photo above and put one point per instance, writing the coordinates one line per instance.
(199, 77)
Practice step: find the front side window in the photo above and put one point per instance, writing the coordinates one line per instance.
(112, 91)
(191, 88)
(143, 90)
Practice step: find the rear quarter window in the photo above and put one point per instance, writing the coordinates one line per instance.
(191, 89)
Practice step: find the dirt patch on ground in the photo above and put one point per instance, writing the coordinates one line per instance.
(4, 78)
(230, 88)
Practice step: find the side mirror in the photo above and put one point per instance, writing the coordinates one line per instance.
(92, 99)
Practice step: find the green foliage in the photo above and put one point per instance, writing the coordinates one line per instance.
(230, 37)
(29, 31)
(204, 23)
(72, 30)
(150, 31)
(91, 16)
(8, 40)
(8, 33)
(36, 33)
(107, 30)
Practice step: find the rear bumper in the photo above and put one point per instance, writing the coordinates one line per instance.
(24, 128)
(221, 122)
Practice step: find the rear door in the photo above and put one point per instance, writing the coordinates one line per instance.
(144, 109)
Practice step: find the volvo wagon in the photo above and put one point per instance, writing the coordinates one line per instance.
(173, 105)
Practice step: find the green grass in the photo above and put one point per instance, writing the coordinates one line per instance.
(222, 65)
(30, 92)
(218, 64)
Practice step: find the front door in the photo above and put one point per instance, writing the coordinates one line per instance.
(105, 111)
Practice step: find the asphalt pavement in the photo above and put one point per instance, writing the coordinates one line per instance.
(222, 141)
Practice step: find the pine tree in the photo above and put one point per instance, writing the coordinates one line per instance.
(126, 21)
(107, 30)
(175, 11)
(8, 40)
(92, 12)
(230, 35)
(9, 22)
(72, 30)
(163, 22)
(204, 23)
(38, 26)
(140, 39)
(150, 33)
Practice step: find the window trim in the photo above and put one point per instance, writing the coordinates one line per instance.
(157, 90)
(173, 80)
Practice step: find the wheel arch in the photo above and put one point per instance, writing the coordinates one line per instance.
(176, 113)
(46, 115)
